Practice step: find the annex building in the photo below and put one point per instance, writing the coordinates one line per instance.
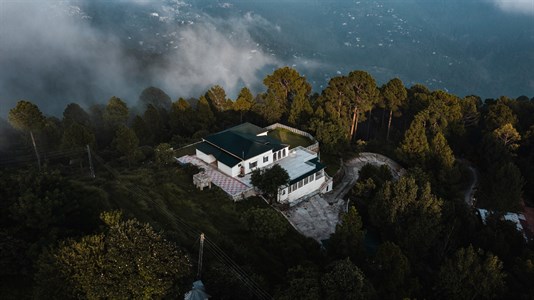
(239, 150)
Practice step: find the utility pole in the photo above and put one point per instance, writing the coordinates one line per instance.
(200, 253)
(90, 162)
(36, 152)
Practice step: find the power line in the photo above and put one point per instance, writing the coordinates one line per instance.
(18, 159)
(245, 279)
(193, 232)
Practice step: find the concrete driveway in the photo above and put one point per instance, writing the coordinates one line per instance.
(318, 216)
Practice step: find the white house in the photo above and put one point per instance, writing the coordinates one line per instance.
(239, 150)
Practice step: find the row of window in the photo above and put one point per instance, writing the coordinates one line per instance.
(279, 155)
(276, 156)
(305, 181)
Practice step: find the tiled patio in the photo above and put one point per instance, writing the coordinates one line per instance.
(231, 186)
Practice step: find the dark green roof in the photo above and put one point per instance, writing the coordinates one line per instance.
(318, 166)
(242, 142)
(247, 128)
(220, 155)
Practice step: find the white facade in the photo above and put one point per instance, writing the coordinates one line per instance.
(205, 157)
(306, 173)
(305, 177)
(233, 172)
(257, 162)
(303, 187)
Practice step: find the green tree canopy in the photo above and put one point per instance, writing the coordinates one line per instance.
(76, 136)
(441, 154)
(126, 142)
(128, 260)
(498, 115)
(155, 124)
(347, 240)
(270, 180)
(155, 97)
(304, 284)
(205, 116)
(395, 96)
(393, 272)
(471, 275)
(502, 188)
(508, 136)
(266, 223)
(287, 92)
(141, 130)
(116, 112)
(181, 118)
(216, 96)
(164, 154)
(26, 116)
(244, 102)
(75, 113)
(415, 147)
(344, 281)
(409, 215)
(470, 110)
(444, 110)
(365, 95)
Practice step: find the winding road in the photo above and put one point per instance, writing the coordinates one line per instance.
(318, 216)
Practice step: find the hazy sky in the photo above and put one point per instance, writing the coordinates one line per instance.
(516, 6)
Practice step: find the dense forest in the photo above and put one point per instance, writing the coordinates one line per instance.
(93, 205)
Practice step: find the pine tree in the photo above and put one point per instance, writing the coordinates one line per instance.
(395, 96)
(347, 240)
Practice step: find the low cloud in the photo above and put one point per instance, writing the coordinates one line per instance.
(516, 6)
(52, 54)
(207, 55)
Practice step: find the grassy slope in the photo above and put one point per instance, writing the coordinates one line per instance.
(158, 196)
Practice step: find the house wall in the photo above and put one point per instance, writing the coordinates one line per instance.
(208, 158)
(259, 159)
(226, 169)
(328, 187)
(280, 154)
(285, 197)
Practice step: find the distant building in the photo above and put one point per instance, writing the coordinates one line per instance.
(239, 150)
(519, 220)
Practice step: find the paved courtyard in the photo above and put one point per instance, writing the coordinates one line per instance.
(315, 217)
(230, 185)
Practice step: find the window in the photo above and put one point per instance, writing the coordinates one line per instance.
(294, 187)
(283, 191)
(311, 177)
(300, 184)
(274, 157)
(252, 165)
(265, 159)
(306, 180)
(284, 152)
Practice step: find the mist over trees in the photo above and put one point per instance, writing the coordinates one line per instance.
(412, 236)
